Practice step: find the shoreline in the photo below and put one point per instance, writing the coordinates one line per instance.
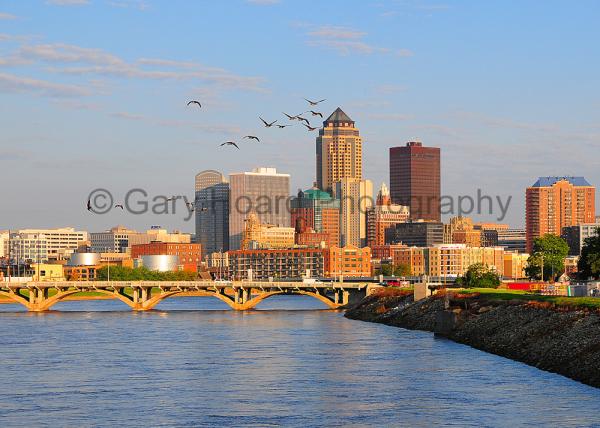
(561, 340)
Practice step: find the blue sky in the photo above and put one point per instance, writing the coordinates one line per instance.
(93, 94)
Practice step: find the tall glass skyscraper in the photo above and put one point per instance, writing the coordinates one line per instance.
(212, 211)
(263, 192)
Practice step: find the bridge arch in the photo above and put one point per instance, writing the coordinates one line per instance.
(16, 298)
(254, 301)
(61, 295)
(156, 299)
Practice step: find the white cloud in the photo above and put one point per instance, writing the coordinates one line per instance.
(12, 83)
(346, 41)
(7, 16)
(89, 61)
(333, 32)
(68, 2)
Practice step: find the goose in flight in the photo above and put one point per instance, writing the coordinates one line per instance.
(252, 137)
(230, 143)
(290, 117)
(194, 102)
(315, 113)
(282, 126)
(314, 103)
(310, 128)
(267, 124)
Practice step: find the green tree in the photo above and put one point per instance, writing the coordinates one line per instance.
(120, 273)
(479, 275)
(385, 270)
(549, 251)
(402, 270)
(589, 262)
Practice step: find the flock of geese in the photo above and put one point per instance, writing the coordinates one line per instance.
(298, 117)
(274, 123)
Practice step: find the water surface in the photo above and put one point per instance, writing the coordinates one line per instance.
(194, 362)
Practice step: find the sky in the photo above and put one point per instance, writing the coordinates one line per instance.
(93, 95)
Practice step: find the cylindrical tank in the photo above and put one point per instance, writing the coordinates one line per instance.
(161, 263)
(84, 259)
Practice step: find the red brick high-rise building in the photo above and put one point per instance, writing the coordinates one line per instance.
(415, 180)
(556, 202)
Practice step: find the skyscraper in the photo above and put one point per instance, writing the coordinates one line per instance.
(339, 151)
(356, 197)
(415, 180)
(212, 211)
(263, 192)
(556, 202)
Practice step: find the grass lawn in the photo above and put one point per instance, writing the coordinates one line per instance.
(496, 294)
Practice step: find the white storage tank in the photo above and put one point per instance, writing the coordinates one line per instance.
(160, 263)
(84, 259)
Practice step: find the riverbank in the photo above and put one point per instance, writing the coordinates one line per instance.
(556, 335)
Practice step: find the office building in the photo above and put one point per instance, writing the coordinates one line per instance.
(320, 212)
(61, 242)
(415, 180)
(576, 236)
(416, 234)
(356, 197)
(556, 202)
(257, 235)
(263, 192)
(212, 211)
(382, 216)
(339, 151)
(513, 240)
(115, 240)
(460, 230)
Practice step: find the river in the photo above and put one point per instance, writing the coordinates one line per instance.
(193, 362)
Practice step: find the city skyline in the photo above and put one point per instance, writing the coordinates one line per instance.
(108, 110)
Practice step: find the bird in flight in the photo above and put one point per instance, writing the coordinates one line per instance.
(230, 143)
(310, 128)
(314, 103)
(315, 113)
(89, 205)
(194, 102)
(252, 137)
(282, 126)
(119, 206)
(267, 124)
(303, 119)
(290, 117)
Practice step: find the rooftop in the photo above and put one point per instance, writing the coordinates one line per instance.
(338, 116)
(550, 181)
(316, 194)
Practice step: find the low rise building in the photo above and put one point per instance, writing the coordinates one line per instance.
(265, 264)
(190, 255)
(348, 261)
(515, 264)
